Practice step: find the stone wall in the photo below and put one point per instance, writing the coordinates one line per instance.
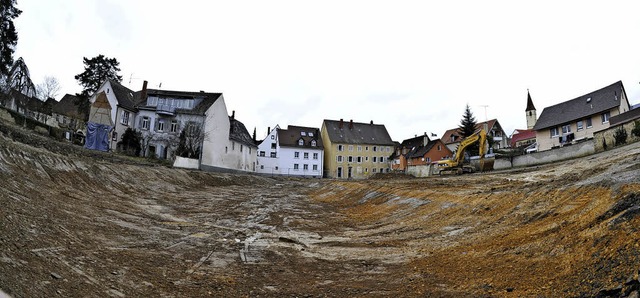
(607, 136)
(421, 170)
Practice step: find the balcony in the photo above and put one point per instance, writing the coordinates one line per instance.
(164, 109)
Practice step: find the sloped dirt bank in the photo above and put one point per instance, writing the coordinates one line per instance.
(72, 225)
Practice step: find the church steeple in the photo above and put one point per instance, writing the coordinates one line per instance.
(530, 112)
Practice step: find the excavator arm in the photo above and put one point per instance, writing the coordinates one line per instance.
(457, 162)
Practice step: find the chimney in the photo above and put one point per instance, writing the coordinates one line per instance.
(233, 114)
(371, 123)
(143, 93)
(268, 130)
(341, 123)
(351, 124)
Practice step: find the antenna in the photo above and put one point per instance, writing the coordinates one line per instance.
(485, 111)
(132, 78)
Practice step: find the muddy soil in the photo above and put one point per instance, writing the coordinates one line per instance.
(73, 225)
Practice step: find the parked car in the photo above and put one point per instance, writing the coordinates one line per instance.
(531, 148)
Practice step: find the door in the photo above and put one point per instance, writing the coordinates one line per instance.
(350, 172)
(339, 172)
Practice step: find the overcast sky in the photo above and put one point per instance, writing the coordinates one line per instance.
(410, 65)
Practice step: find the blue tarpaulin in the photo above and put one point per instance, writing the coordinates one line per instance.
(97, 136)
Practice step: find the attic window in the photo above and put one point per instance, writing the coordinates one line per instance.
(302, 133)
(310, 134)
(588, 99)
(300, 142)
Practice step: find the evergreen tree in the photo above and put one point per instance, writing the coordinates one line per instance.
(96, 71)
(8, 34)
(468, 127)
(467, 124)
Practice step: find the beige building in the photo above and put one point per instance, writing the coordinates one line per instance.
(355, 150)
(579, 118)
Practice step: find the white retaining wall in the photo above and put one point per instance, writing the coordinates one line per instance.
(187, 163)
(536, 158)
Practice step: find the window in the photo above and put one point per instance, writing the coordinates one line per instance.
(381, 170)
(295, 166)
(273, 145)
(180, 104)
(262, 153)
(273, 137)
(313, 143)
(315, 156)
(310, 134)
(305, 167)
(588, 123)
(579, 126)
(366, 170)
(381, 159)
(359, 148)
(566, 129)
(145, 123)
(339, 172)
(273, 155)
(262, 167)
(374, 170)
(366, 158)
(174, 126)
(114, 136)
(302, 133)
(439, 148)
(296, 154)
(554, 132)
(359, 159)
(375, 159)
(366, 148)
(240, 147)
(339, 158)
(276, 168)
(124, 119)
(160, 127)
(233, 146)
(605, 117)
(375, 148)
(428, 160)
(350, 159)
(340, 147)
(315, 167)
(306, 155)
(226, 149)
(388, 149)
(350, 147)
(301, 142)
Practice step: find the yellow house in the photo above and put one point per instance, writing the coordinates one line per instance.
(580, 117)
(355, 150)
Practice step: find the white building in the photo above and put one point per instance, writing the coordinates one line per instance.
(295, 151)
(123, 108)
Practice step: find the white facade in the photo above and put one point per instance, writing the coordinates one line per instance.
(276, 159)
(219, 151)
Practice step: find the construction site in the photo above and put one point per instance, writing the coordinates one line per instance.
(77, 223)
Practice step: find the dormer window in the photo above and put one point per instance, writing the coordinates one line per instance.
(313, 143)
(310, 134)
(300, 142)
(588, 99)
(302, 133)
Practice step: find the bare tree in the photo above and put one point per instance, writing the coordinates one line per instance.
(49, 88)
(191, 139)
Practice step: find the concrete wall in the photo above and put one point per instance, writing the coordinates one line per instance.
(186, 163)
(421, 171)
(558, 154)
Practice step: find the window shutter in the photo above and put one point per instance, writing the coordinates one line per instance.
(140, 122)
(155, 125)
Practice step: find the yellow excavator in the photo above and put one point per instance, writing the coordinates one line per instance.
(456, 165)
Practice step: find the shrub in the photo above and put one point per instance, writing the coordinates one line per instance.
(620, 136)
(636, 128)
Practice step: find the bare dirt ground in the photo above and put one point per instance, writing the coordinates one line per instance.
(77, 224)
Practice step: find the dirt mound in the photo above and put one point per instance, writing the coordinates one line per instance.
(77, 224)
